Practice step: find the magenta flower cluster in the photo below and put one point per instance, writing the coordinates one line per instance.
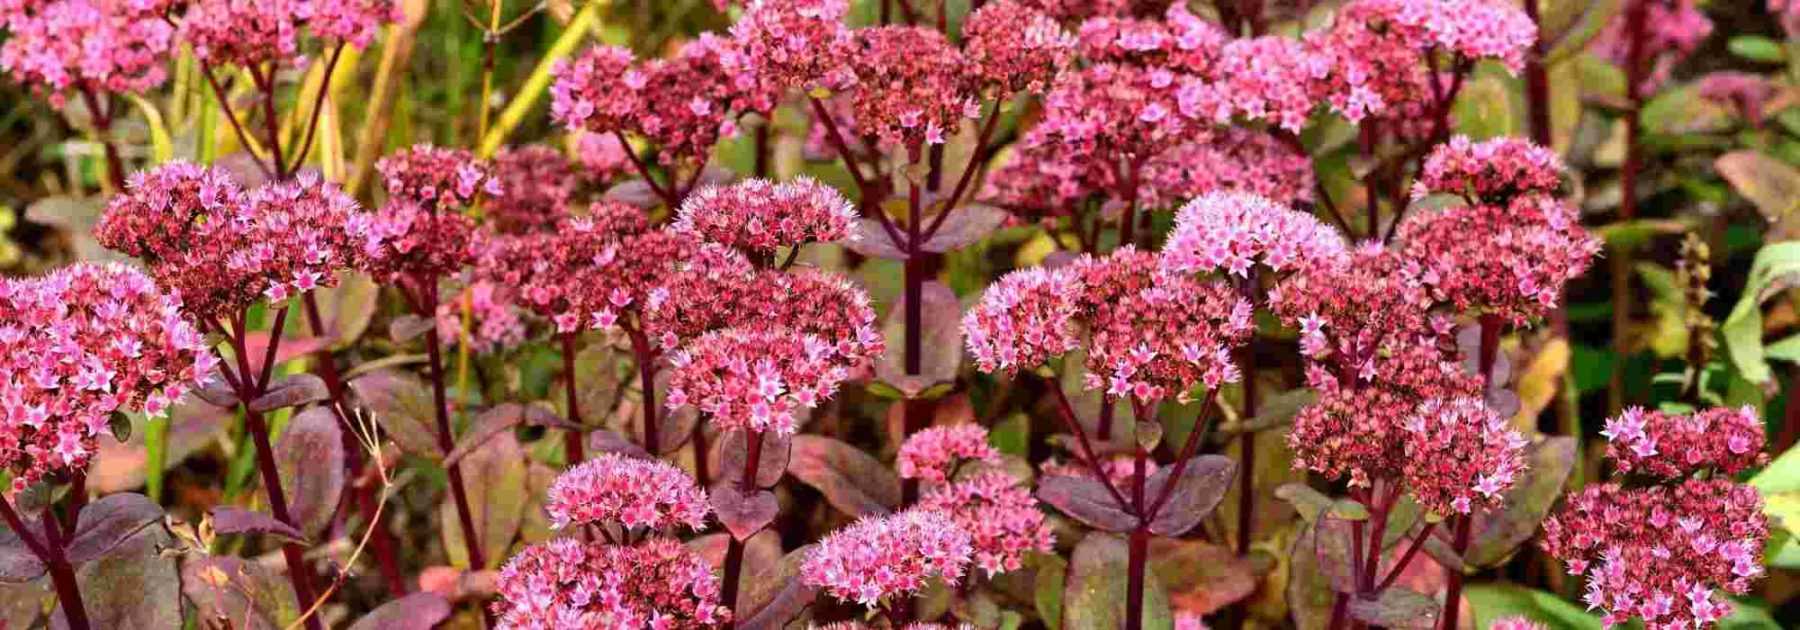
(100, 46)
(878, 559)
(1460, 455)
(1672, 446)
(632, 493)
(934, 454)
(1001, 516)
(754, 379)
(253, 32)
(759, 216)
(1229, 233)
(79, 345)
(564, 583)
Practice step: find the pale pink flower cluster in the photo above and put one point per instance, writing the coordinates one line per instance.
(1662, 553)
(1511, 260)
(1460, 455)
(795, 43)
(221, 249)
(632, 493)
(1013, 48)
(1109, 112)
(934, 454)
(103, 46)
(1230, 232)
(1269, 78)
(78, 345)
(1078, 10)
(1490, 171)
(1516, 623)
(437, 178)
(1024, 319)
(1180, 41)
(1000, 515)
(1234, 158)
(602, 158)
(1672, 446)
(754, 379)
(252, 32)
(827, 305)
(495, 322)
(1378, 49)
(878, 559)
(759, 216)
(564, 583)
(1153, 336)
(408, 240)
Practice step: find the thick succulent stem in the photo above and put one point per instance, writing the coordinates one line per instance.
(646, 365)
(572, 446)
(734, 550)
(1138, 554)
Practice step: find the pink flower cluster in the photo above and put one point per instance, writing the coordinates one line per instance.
(221, 249)
(1270, 78)
(408, 240)
(1527, 252)
(1000, 515)
(1673, 29)
(563, 583)
(1181, 41)
(1516, 623)
(754, 378)
(1233, 158)
(252, 32)
(532, 191)
(795, 43)
(601, 156)
(1230, 232)
(908, 87)
(495, 321)
(1378, 49)
(1672, 446)
(759, 216)
(612, 489)
(683, 104)
(1491, 171)
(544, 269)
(1460, 455)
(437, 178)
(878, 559)
(98, 45)
(1110, 112)
(934, 454)
(1153, 336)
(1024, 319)
(1012, 48)
(1662, 553)
(77, 346)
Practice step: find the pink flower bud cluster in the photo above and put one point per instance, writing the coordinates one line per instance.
(1181, 41)
(1516, 623)
(495, 321)
(934, 454)
(601, 157)
(1110, 112)
(544, 270)
(564, 583)
(1379, 48)
(703, 287)
(1229, 232)
(533, 187)
(104, 46)
(879, 559)
(1078, 10)
(1233, 158)
(754, 378)
(795, 43)
(1000, 515)
(683, 104)
(612, 489)
(252, 32)
(1673, 29)
(1012, 48)
(1153, 336)
(1516, 265)
(1024, 319)
(1460, 455)
(437, 178)
(759, 216)
(1270, 78)
(1662, 553)
(819, 303)
(78, 345)
(1671, 446)
(221, 249)
(405, 239)
(908, 86)
(1490, 171)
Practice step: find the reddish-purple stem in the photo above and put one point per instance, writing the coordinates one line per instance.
(572, 439)
(445, 438)
(734, 549)
(646, 364)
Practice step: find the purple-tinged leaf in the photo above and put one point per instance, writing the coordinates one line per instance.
(409, 327)
(256, 345)
(772, 463)
(941, 342)
(1397, 608)
(1308, 593)
(502, 418)
(1085, 499)
(604, 441)
(402, 404)
(773, 598)
(1331, 545)
(109, 521)
(965, 225)
(243, 595)
(1498, 533)
(495, 475)
(743, 514)
(852, 481)
(762, 552)
(1202, 486)
(873, 241)
(418, 611)
(634, 192)
(132, 586)
(347, 309)
(1094, 597)
(235, 520)
(218, 392)
(291, 391)
(1201, 577)
(309, 456)
(17, 563)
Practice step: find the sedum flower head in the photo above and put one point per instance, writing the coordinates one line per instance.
(1001, 516)
(794, 43)
(1024, 319)
(1377, 49)
(77, 346)
(1013, 48)
(436, 178)
(1460, 454)
(252, 32)
(909, 86)
(1270, 78)
(542, 268)
(104, 46)
(754, 378)
(1673, 29)
(534, 187)
(1230, 159)
(1181, 41)
(1516, 623)
(1110, 112)
(878, 559)
(1153, 336)
(934, 453)
(405, 239)
(496, 322)
(1672, 446)
(631, 493)
(564, 583)
(1490, 171)
(595, 92)
(682, 104)
(1509, 260)
(1230, 232)
(759, 216)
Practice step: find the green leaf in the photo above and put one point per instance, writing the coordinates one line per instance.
(1095, 595)
(1776, 268)
(162, 149)
(1769, 183)
(1496, 601)
(1757, 48)
(1779, 484)
(1048, 594)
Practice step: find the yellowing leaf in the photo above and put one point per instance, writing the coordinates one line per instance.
(1538, 383)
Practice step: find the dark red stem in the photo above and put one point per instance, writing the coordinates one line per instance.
(445, 438)
(646, 364)
(1138, 554)
(734, 550)
(572, 440)
(1453, 591)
